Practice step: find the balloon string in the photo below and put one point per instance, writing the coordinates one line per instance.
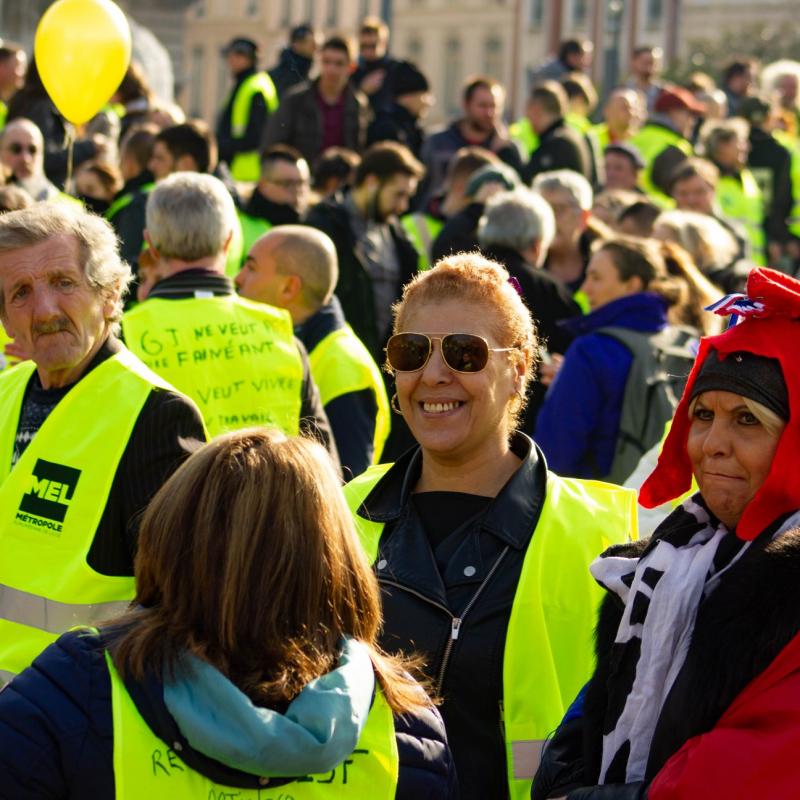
(70, 144)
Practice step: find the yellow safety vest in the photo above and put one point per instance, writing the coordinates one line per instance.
(791, 144)
(549, 653)
(52, 500)
(5, 361)
(422, 230)
(126, 200)
(651, 140)
(3, 114)
(341, 364)
(525, 136)
(247, 166)
(146, 767)
(252, 229)
(236, 359)
(741, 200)
(601, 135)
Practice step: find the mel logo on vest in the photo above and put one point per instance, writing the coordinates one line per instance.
(45, 504)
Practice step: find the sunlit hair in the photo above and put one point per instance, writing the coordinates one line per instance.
(701, 292)
(633, 257)
(708, 242)
(569, 182)
(249, 560)
(98, 251)
(480, 286)
(771, 422)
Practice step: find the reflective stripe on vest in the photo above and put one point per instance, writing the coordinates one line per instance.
(549, 652)
(341, 364)
(252, 229)
(52, 501)
(741, 200)
(144, 766)
(126, 200)
(247, 166)
(236, 359)
(422, 229)
(525, 136)
(651, 141)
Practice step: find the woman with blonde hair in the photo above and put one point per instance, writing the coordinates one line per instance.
(247, 663)
(481, 553)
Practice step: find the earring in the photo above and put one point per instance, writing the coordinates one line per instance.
(395, 405)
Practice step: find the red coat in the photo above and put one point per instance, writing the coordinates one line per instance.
(754, 749)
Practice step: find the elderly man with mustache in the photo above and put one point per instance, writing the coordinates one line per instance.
(87, 433)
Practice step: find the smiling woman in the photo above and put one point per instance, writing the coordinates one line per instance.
(696, 692)
(481, 553)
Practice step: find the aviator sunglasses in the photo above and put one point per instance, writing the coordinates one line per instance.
(462, 352)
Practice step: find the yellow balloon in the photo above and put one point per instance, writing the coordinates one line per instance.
(82, 50)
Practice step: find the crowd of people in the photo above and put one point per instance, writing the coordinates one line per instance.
(321, 434)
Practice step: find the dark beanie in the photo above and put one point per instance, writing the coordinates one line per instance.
(407, 79)
(756, 377)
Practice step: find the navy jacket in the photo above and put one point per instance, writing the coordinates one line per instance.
(578, 423)
(56, 732)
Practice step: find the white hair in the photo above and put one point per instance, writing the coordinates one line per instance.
(190, 216)
(569, 181)
(100, 261)
(516, 219)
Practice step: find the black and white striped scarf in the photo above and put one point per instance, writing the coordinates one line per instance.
(661, 591)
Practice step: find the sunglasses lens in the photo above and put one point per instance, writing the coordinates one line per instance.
(407, 352)
(464, 352)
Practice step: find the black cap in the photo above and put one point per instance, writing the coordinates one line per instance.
(756, 377)
(301, 32)
(407, 79)
(625, 149)
(243, 46)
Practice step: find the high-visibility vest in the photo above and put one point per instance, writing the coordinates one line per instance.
(236, 252)
(422, 230)
(524, 135)
(549, 653)
(5, 361)
(341, 364)
(792, 145)
(252, 229)
(246, 166)
(601, 135)
(52, 501)
(3, 114)
(144, 766)
(577, 122)
(651, 140)
(126, 200)
(235, 358)
(740, 199)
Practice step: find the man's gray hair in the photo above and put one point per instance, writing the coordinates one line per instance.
(190, 216)
(98, 248)
(569, 181)
(516, 219)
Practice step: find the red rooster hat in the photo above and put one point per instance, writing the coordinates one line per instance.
(769, 326)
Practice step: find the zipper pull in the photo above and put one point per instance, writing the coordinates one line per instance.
(455, 628)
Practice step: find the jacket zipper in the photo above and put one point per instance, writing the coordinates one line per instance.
(455, 622)
(455, 625)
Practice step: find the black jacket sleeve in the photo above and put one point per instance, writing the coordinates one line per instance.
(352, 419)
(156, 448)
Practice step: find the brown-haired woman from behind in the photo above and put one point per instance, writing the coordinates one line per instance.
(247, 660)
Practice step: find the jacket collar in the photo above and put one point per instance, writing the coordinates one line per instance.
(511, 517)
(644, 311)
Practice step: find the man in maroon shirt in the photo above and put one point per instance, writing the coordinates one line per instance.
(326, 112)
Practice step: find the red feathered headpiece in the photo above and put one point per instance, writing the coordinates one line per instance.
(769, 326)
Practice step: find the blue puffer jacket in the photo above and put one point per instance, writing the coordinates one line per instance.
(56, 732)
(578, 424)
